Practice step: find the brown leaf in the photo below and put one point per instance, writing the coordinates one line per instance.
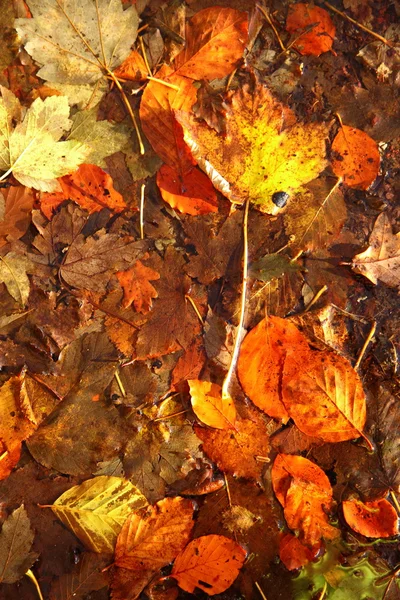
(189, 365)
(87, 576)
(16, 539)
(16, 212)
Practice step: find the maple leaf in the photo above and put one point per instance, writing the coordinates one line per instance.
(263, 153)
(91, 39)
(137, 287)
(377, 519)
(381, 261)
(16, 538)
(32, 151)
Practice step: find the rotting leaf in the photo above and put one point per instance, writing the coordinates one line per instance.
(16, 538)
(86, 576)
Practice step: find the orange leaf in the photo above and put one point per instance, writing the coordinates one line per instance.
(133, 68)
(294, 554)
(356, 157)
(189, 365)
(151, 539)
(322, 30)
(209, 407)
(136, 286)
(90, 187)
(262, 354)
(191, 193)
(373, 519)
(215, 41)
(18, 203)
(324, 396)
(158, 120)
(211, 563)
(305, 493)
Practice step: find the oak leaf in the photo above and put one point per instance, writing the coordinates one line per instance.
(305, 493)
(96, 510)
(90, 187)
(322, 30)
(138, 290)
(16, 204)
(16, 538)
(263, 153)
(191, 193)
(377, 519)
(215, 41)
(356, 157)
(324, 396)
(32, 151)
(381, 260)
(262, 355)
(209, 407)
(210, 562)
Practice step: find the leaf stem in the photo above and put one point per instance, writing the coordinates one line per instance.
(129, 109)
(270, 23)
(32, 577)
(170, 85)
(365, 345)
(141, 215)
(395, 501)
(227, 381)
(263, 596)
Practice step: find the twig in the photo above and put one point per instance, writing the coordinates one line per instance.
(365, 345)
(141, 215)
(316, 297)
(228, 491)
(227, 381)
(376, 35)
(129, 109)
(322, 594)
(263, 596)
(196, 310)
(32, 577)
(120, 384)
(170, 85)
(269, 20)
(181, 412)
(395, 501)
(145, 56)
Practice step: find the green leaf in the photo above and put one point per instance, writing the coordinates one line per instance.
(16, 539)
(96, 510)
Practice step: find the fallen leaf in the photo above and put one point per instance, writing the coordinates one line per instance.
(152, 539)
(377, 519)
(322, 30)
(127, 584)
(293, 553)
(209, 407)
(32, 151)
(211, 563)
(191, 193)
(13, 272)
(86, 577)
(16, 538)
(356, 157)
(133, 68)
(138, 290)
(264, 152)
(305, 493)
(90, 187)
(15, 213)
(189, 365)
(262, 355)
(324, 396)
(381, 260)
(215, 41)
(96, 510)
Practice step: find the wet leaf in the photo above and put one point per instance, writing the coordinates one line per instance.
(211, 563)
(356, 157)
(16, 538)
(293, 553)
(321, 32)
(376, 519)
(209, 407)
(191, 193)
(96, 510)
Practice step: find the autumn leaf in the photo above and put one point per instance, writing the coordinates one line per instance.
(32, 151)
(293, 553)
(85, 577)
(305, 493)
(381, 260)
(189, 365)
(16, 204)
(209, 407)
(262, 355)
(211, 563)
(263, 152)
(96, 510)
(13, 272)
(90, 187)
(191, 193)
(356, 157)
(152, 539)
(16, 538)
(321, 32)
(377, 519)
(138, 290)
(326, 399)
(133, 68)
(215, 41)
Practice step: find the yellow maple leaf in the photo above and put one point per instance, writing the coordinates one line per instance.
(263, 156)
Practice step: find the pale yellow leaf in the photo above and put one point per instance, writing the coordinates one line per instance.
(13, 268)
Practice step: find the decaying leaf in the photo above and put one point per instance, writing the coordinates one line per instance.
(381, 260)
(16, 538)
(321, 31)
(86, 577)
(377, 519)
(293, 553)
(211, 563)
(264, 152)
(209, 406)
(356, 157)
(96, 510)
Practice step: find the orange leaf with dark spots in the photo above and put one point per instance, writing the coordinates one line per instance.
(133, 68)
(356, 157)
(210, 562)
(209, 406)
(305, 493)
(137, 287)
(90, 187)
(315, 22)
(376, 519)
(294, 554)
(191, 193)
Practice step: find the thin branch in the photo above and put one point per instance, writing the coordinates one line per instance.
(271, 24)
(365, 345)
(32, 577)
(366, 29)
(129, 109)
(141, 214)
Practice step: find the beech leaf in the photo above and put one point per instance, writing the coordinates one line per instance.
(377, 519)
(96, 509)
(16, 538)
(209, 406)
(356, 157)
(320, 38)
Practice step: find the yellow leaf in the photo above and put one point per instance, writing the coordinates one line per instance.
(96, 510)
(209, 406)
(264, 154)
